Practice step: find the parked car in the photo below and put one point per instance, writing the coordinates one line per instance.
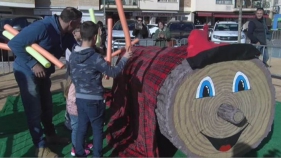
(17, 22)
(200, 27)
(152, 29)
(227, 32)
(118, 37)
(180, 29)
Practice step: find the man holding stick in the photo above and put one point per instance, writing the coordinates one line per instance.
(54, 35)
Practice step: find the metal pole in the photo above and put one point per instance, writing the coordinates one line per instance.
(240, 21)
(104, 14)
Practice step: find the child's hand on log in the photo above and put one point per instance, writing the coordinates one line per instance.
(128, 53)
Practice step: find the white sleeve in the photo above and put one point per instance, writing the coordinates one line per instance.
(67, 54)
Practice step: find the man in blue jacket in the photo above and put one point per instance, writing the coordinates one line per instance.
(54, 35)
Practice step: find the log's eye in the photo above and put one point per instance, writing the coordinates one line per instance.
(240, 82)
(206, 88)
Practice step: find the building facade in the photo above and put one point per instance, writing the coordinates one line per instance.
(218, 10)
(152, 11)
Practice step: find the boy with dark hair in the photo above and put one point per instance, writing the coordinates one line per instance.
(54, 35)
(86, 69)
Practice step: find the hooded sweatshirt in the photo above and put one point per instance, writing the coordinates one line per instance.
(46, 33)
(86, 70)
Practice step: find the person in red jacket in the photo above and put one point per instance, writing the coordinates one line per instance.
(206, 29)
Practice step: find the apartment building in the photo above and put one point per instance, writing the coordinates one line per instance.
(218, 10)
(150, 10)
(48, 7)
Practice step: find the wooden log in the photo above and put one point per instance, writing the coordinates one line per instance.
(200, 127)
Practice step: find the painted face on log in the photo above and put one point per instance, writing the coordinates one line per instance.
(224, 108)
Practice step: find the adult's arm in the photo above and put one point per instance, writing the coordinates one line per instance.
(29, 35)
(105, 68)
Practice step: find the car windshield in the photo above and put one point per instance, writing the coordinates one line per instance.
(226, 27)
(4, 22)
(199, 27)
(118, 26)
(181, 26)
(151, 26)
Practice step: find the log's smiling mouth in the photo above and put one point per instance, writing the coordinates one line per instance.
(225, 144)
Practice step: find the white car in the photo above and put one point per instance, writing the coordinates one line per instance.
(118, 37)
(152, 29)
(226, 32)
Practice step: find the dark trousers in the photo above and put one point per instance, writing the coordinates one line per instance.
(90, 111)
(37, 102)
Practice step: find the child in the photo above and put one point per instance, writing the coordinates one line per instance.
(71, 108)
(86, 70)
(72, 111)
(77, 36)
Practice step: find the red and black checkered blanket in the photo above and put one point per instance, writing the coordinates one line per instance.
(132, 127)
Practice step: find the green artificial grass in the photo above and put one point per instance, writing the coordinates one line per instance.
(15, 140)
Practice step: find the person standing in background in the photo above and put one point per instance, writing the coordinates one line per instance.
(257, 33)
(102, 35)
(162, 35)
(140, 31)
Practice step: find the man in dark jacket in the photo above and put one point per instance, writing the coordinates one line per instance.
(257, 31)
(54, 35)
(140, 30)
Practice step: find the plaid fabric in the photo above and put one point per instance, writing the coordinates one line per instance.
(132, 128)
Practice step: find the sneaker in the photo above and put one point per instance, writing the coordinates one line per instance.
(73, 152)
(89, 146)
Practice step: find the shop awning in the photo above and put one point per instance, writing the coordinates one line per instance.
(204, 14)
(235, 16)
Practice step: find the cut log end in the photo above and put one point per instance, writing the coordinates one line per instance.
(231, 114)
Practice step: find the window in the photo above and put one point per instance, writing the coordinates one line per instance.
(167, 0)
(118, 26)
(181, 27)
(5, 21)
(226, 27)
(32, 20)
(227, 2)
(21, 22)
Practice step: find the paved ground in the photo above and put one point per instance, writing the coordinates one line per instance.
(8, 84)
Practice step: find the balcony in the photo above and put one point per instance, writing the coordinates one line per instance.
(18, 3)
(149, 5)
(253, 4)
(127, 4)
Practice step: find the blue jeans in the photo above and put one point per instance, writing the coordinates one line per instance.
(90, 111)
(264, 52)
(37, 102)
(74, 126)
